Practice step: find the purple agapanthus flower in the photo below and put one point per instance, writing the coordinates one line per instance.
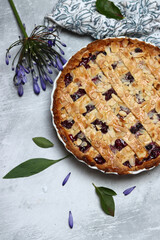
(43, 85)
(66, 179)
(70, 220)
(7, 60)
(50, 43)
(128, 190)
(20, 75)
(59, 64)
(63, 60)
(20, 90)
(38, 55)
(36, 87)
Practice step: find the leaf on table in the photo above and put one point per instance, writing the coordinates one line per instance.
(107, 191)
(109, 9)
(31, 167)
(42, 142)
(106, 199)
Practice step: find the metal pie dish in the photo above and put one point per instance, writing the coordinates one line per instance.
(135, 172)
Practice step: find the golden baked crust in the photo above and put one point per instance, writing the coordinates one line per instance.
(107, 105)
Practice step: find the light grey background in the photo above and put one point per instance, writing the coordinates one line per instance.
(36, 208)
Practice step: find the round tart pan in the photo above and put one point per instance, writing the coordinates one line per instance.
(61, 139)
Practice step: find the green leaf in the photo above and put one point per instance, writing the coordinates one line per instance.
(107, 204)
(108, 9)
(106, 199)
(42, 142)
(31, 167)
(107, 191)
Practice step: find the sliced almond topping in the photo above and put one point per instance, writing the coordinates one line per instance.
(63, 115)
(97, 144)
(122, 113)
(117, 99)
(132, 161)
(94, 94)
(83, 144)
(158, 106)
(78, 142)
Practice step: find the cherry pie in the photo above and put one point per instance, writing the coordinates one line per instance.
(107, 105)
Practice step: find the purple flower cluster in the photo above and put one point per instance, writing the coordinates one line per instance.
(38, 54)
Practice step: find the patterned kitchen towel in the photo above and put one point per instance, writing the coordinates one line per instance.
(142, 19)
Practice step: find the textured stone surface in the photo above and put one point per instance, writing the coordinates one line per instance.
(36, 208)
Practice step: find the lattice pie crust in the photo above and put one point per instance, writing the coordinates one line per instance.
(107, 105)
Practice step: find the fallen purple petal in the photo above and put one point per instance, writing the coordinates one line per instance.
(66, 179)
(128, 190)
(70, 220)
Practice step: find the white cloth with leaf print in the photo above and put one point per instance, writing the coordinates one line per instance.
(142, 19)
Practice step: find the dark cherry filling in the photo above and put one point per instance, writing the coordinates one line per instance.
(125, 109)
(68, 79)
(114, 65)
(92, 57)
(152, 113)
(89, 108)
(78, 135)
(139, 98)
(129, 77)
(153, 150)
(118, 145)
(78, 94)
(113, 149)
(137, 161)
(96, 79)
(84, 148)
(71, 137)
(134, 129)
(99, 159)
(127, 164)
(81, 136)
(98, 52)
(67, 123)
(108, 94)
(138, 50)
(86, 60)
(103, 126)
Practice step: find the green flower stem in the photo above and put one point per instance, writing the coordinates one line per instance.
(18, 18)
